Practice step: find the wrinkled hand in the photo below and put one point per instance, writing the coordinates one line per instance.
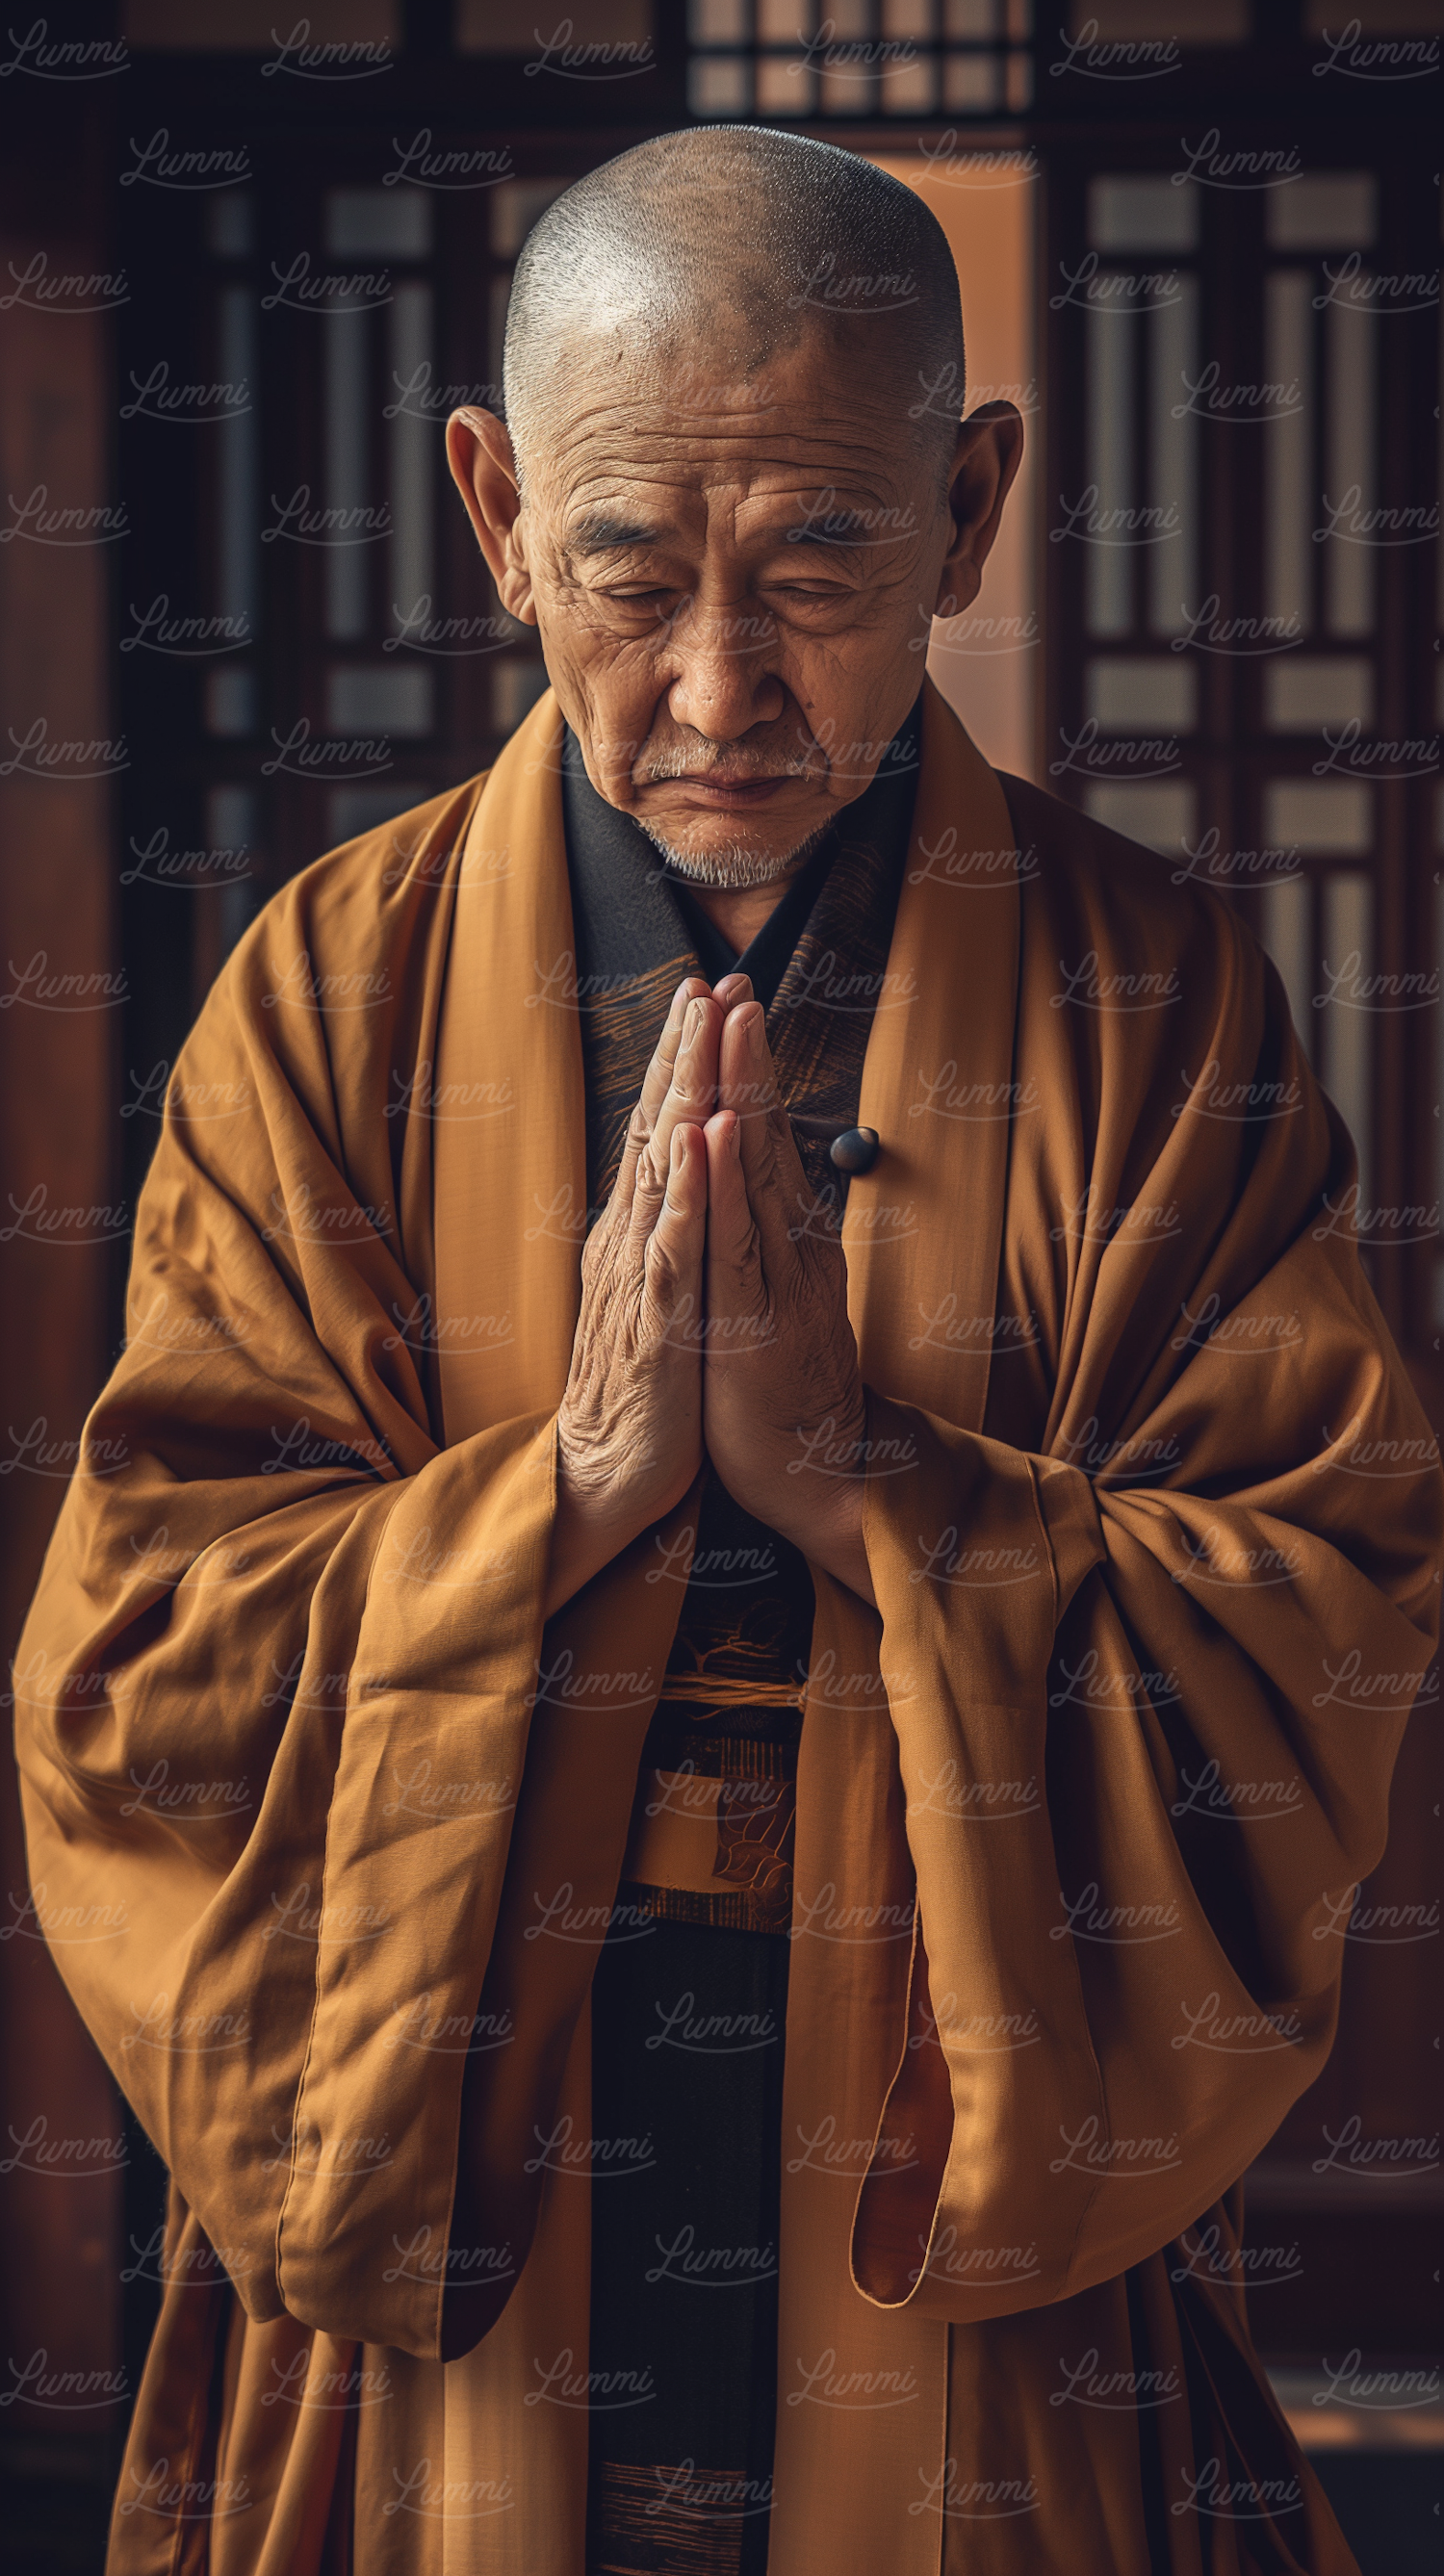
(630, 1423)
(784, 1414)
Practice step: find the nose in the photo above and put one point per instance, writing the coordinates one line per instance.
(722, 687)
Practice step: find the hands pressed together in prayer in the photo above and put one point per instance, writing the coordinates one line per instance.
(713, 1316)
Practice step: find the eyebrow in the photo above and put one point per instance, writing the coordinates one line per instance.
(845, 529)
(602, 533)
(607, 532)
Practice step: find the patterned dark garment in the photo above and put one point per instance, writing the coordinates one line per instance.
(690, 1998)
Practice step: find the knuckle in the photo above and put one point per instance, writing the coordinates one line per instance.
(661, 1268)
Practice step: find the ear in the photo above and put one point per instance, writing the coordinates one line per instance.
(483, 468)
(989, 452)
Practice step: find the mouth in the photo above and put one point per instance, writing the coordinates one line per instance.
(715, 793)
(733, 795)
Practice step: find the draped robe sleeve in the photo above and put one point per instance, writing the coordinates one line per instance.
(275, 1690)
(1150, 1666)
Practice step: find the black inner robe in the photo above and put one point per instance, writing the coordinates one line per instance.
(689, 2001)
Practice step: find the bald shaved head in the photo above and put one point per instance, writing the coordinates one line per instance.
(736, 241)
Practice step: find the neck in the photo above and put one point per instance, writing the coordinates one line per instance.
(739, 913)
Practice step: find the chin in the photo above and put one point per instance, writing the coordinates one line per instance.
(727, 852)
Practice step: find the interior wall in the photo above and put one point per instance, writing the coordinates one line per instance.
(989, 663)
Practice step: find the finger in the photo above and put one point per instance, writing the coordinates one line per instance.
(656, 1083)
(772, 1173)
(691, 1094)
(675, 1249)
(734, 1282)
(733, 990)
(746, 1076)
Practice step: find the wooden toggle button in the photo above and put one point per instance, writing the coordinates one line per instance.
(856, 1150)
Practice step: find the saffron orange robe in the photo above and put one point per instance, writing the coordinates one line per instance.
(287, 1711)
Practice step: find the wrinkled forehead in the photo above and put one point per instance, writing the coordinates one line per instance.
(701, 411)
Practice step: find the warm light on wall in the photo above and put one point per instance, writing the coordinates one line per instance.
(989, 664)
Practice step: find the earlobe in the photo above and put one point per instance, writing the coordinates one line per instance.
(960, 586)
(513, 589)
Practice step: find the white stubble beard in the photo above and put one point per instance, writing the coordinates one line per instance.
(734, 869)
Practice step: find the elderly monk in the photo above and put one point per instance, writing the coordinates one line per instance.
(753, 1572)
